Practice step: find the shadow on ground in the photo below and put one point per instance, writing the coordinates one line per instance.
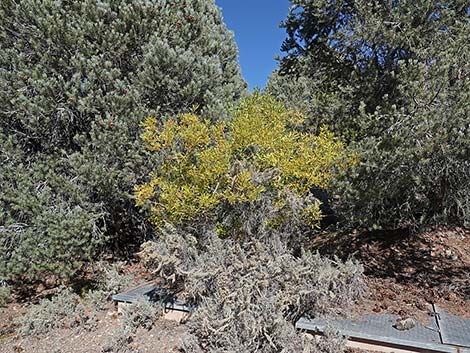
(438, 262)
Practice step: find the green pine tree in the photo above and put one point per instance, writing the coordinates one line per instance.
(76, 80)
(392, 78)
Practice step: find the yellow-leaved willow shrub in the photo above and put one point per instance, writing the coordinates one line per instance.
(206, 166)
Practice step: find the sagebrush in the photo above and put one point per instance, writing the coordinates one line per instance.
(249, 295)
(64, 310)
(108, 279)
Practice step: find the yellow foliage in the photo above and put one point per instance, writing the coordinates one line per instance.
(206, 164)
(303, 160)
(142, 193)
(312, 214)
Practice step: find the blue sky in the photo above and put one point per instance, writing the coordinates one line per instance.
(257, 32)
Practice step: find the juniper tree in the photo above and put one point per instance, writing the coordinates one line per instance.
(76, 80)
(392, 78)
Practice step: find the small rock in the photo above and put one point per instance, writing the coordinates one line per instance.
(451, 255)
(405, 324)
(420, 305)
(452, 296)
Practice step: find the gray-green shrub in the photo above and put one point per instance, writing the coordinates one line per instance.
(120, 341)
(249, 295)
(63, 310)
(108, 280)
(141, 314)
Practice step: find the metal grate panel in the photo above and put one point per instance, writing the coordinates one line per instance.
(155, 293)
(379, 328)
(454, 330)
(130, 296)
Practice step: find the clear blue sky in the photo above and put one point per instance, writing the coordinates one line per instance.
(257, 32)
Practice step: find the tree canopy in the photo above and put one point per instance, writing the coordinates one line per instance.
(392, 78)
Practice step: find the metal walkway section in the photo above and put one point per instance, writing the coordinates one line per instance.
(145, 290)
(443, 333)
(152, 292)
(454, 330)
(378, 329)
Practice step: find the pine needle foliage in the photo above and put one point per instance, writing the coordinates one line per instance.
(76, 80)
(392, 78)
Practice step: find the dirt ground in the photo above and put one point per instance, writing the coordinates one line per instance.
(407, 272)
(164, 337)
(404, 272)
